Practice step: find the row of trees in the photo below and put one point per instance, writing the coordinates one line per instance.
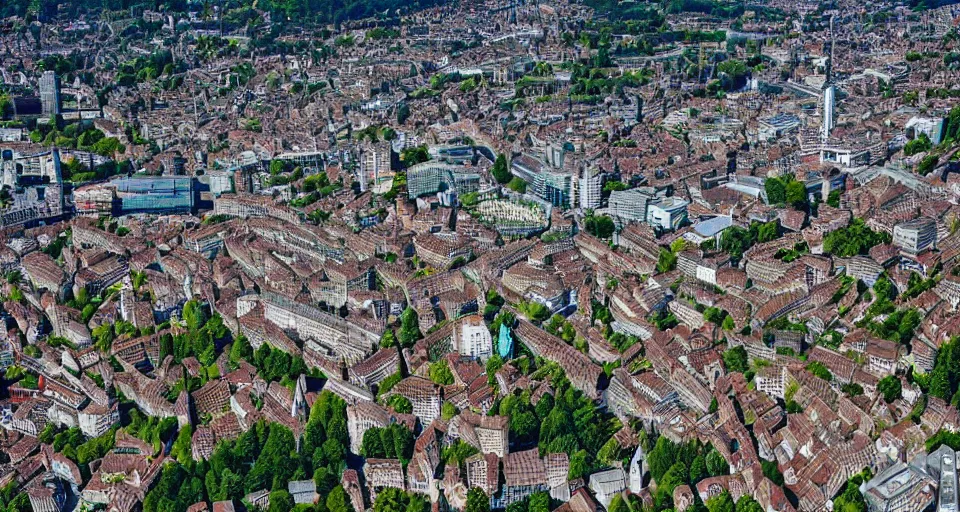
(264, 457)
(74, 135)
(392, 442)
(944, 381)
(567, 422)
(76, 447)
(392, 499)
(673, 464)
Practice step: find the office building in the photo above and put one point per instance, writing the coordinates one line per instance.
(553, 186)
(777, 126)
(667, 214)
(376, 168)
(899, 488)
(829, 94)
(591, 188)
(473, 338)
(942, 465)
(932, 127)
(915, 236)
(631, 204)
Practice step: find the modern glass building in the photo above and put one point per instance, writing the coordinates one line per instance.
(430, 178)
(160, 194)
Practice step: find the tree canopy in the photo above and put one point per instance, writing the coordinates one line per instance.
(852, 240)
(890, 387)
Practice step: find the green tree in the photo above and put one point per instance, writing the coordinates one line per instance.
(103, 337)
(617, 504)
(477, 501)
(440, 373)
(599, 226)
(539, 502)
(928, 164)
(6, 106)
(698, 469)
(716, 464)
(721, 503)
(850, 500)
(817, 368)
(500, 170)
(890, 387)
(661, 458)
(338, 501)
(940, 385)
(833, 199)
(746, 503)
(240, 351)
(675, 476)
(108, 147)
(736, 359)
(728, 324)
(401, 404)
(388, 339)
(409, 328)
(372, 445)
(395, 500)
(855, 239)
(733, 73)
(771, 471)
(667, 261)
(448, 411)
(193, 315)
(403, 113)
(533, 310)
(776, 191)
(578, 465)
(797, 194)
(281, 501)
(918, 145)
(415, 155)
(181, 449)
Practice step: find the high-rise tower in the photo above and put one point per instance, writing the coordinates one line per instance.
(50, 93)
(829, 93)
